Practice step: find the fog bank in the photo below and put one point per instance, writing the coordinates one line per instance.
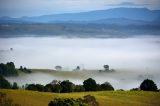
(142, 54)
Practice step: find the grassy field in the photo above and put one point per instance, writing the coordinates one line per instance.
(105, 98)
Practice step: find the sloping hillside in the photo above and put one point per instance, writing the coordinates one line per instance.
(105, 98)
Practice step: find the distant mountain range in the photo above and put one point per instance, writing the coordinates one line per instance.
(116, 22)
(110, 16)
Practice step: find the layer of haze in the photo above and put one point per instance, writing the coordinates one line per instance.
(134, 59)
(129, 53)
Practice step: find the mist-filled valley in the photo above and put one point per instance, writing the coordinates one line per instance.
(133, 59)
(79, 53)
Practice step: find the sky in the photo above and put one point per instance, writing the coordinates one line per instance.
(19, 8)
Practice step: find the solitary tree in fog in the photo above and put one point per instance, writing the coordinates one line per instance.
(58, 68)
(15, 86)
(148, 85)
(106, 67)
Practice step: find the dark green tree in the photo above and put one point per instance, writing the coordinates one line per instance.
(148, 85)
(66, 86)
(15, 86)
(39, 87)
(56, 88)
(4, 83)
(79, 88)
(90, 85)
(21, 68)
(31, 87)
(8, 69)
(106, 86)
(48, 88)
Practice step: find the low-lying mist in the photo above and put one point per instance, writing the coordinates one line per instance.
(119, 79)
(133, 58)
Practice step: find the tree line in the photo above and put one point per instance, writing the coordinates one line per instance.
(67, 86)
(8, 69)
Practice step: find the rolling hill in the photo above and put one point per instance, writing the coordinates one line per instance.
(105, 98)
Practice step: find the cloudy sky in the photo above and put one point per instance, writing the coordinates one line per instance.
(18, 8)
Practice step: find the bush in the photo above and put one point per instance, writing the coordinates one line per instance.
(90, 85)
(148, 85)
(66, 102)
(87, 101)
(91, 100)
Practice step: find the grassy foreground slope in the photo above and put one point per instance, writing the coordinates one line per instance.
(105, 98)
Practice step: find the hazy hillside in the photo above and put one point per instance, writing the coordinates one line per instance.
(127, 13)
(90, 30)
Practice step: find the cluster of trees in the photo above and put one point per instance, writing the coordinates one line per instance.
(106, 69)
(67, 86)
(88, 100)
(24, 69)
(8, 69)
(4, 84)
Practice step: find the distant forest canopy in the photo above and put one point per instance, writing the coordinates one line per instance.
(8, 69)
(80, 30)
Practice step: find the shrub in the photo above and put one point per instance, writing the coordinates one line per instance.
(66, 102)
(91, 100)
(87, 101)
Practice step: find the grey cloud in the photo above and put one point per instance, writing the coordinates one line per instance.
(131, 4)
